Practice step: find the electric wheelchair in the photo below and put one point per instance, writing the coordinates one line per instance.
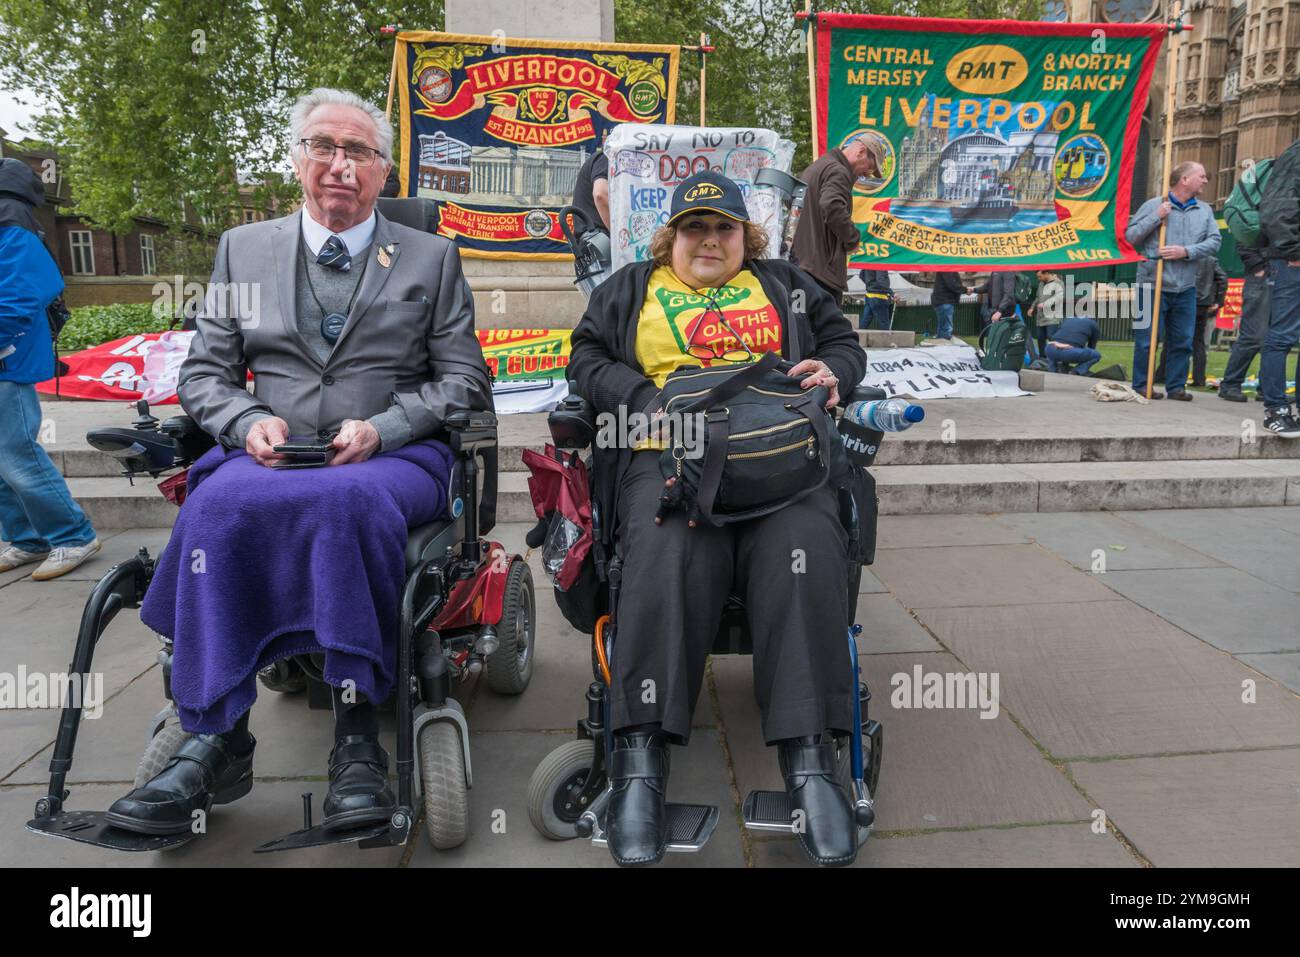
(568, 793)
(467, 606)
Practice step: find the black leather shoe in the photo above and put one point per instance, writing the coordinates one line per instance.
(1231, 394)
(205, 771)
(636, 822)
(828, 835)
(359, 792)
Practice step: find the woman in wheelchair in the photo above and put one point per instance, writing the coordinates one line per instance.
(708, 299)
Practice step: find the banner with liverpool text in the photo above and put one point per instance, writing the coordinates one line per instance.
(494, 130)
(1005, 144)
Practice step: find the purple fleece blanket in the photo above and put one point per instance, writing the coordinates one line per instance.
(264, 563)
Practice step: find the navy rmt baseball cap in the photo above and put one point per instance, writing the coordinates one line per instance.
(708, 192)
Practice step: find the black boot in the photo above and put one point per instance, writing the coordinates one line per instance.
(824, 823)
(636, 822)
(358, 792)
(208, 769)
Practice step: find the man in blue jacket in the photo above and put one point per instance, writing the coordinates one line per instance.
(1191, 234)
(39, 521)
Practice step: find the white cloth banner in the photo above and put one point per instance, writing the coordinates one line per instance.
(647, 161)
(937, 372)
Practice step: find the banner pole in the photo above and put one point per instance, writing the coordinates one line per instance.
(812, 75)
(1171, 78)
(392, 82)
(704, 56)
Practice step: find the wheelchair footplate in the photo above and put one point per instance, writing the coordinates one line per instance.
(391, 832)
(92, 827)
(689, 827)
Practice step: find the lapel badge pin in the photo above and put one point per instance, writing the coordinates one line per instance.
(385, 256)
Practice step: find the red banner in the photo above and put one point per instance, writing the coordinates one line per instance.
(1230, 314)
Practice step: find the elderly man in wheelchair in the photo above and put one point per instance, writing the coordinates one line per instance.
(654, 333)
(294, 538)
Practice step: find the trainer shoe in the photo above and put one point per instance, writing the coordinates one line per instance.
(64, 559)
(14, 557)
(1182, 395)
(1281, 422)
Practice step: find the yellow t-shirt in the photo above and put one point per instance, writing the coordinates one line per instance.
(673, 318)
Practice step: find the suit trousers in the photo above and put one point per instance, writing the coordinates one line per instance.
(790, 569)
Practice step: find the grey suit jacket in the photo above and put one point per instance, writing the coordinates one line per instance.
(409, 340)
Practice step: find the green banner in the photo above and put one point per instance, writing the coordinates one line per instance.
(1003, 144)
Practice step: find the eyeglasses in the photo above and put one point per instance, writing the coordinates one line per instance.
(706, 351)
(323, 150)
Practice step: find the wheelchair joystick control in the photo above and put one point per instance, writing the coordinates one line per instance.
(144, 422)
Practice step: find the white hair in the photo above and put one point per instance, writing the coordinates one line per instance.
(322, 96)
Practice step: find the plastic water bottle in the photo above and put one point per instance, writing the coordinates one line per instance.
(885, 415)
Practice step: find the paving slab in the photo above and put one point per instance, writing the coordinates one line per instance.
(869, 584)
(982, 575)
(272, 809)
(1204, 810)
(1109, 678)
(293, 740)
(1077, 537)
(920, 531)
(504, 762)
(38, 630)
(887, 627)
(556, 696)
(1043, 845)
(1226, 607)
(1282, 666)
(942, 768)
(1264, 545)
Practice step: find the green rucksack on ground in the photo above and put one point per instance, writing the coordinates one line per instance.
(1005, 350)
(1241, 211)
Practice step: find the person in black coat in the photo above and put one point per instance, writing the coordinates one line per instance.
(947, 293)
(706, 298)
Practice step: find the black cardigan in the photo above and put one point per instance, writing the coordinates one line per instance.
(604, 367)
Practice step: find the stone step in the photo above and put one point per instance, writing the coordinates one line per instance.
(886, 338)
(904, 449)
(903, 489)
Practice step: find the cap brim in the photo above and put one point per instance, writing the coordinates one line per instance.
(707, 209)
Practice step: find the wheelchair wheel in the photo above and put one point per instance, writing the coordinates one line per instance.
(442, 785)
(284, 676)
(162, 747)
(510, 667)
(553, 789)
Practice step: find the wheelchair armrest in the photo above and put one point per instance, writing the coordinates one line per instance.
(470, 430)
(138, 450)
(572, 423)
(191, 441)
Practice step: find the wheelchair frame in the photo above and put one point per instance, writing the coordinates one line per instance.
(587, 792)
(437, 593)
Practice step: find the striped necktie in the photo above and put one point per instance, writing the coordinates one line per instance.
(335, 255)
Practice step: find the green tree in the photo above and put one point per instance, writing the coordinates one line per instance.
(157, 104)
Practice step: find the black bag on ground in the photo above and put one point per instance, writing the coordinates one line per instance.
(1115, 372)
(765, 441)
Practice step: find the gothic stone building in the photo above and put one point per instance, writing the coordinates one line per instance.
(1238, 84)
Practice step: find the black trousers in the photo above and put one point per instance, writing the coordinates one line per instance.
(790, 569)
(1255, 307)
